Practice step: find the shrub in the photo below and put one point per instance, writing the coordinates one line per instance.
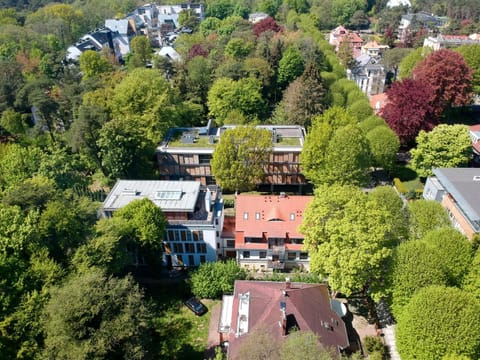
(212, 280)
(399, 185)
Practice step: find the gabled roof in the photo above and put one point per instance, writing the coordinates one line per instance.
(169, 52)
(274, 214)
(378, 101)
(307, 307)
(120, 25)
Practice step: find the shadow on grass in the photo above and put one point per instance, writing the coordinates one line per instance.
(404, 173)
(178, 333)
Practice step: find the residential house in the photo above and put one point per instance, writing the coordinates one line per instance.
(124, 30)
(458, 190)
(369, 74)
(373, 49)
(169, 14)
(410, 23)
(449, 41)
(397, 3)
(340, 34)
(279, 308)
(475, 137)
(194, 214)
(377, 102)
(185, 154)
(227, 243)
(170, 53)
(266, 232)
(96, 40)
(257, 17)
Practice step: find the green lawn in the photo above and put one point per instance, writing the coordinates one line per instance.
(179, 332)
(409, 178)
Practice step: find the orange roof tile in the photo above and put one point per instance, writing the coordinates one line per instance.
(273, 214)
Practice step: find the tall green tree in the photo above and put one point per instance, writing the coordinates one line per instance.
(318, 137)
(424, 328)
(412, 268)
(454, 251)
(290, 66)
(471, 54)
(141, 52)
(424, 216)
(348, 237)
(93, 64)
(238, 160)
(305, 97)
(93, 315)
(347, 160)
(384, 145)
(445, 146)
(228, 97)
(471, 281)
(124, 150)
(212, 280)
(145, 96)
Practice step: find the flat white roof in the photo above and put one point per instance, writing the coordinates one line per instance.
(172, 196)
(225, 322)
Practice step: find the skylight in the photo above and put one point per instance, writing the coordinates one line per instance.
(168, 195)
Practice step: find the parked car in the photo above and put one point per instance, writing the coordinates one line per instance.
(196, 306)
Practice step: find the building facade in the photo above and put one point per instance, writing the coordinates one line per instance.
(458, 190)
(186, 154)
(194, 214)
(266, 232)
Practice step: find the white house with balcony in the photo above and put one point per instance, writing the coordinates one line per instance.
(194, 213)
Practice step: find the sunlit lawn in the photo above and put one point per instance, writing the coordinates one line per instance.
(409, 177)
(181, 334)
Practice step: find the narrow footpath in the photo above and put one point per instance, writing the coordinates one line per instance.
(389, 337)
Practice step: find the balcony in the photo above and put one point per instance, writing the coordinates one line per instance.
(275, 264)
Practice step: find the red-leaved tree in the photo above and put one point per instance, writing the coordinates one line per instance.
(409, 109)
(267, 24)
(197, 50)
(449, 76)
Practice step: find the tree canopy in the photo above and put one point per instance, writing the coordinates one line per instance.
(238, 160)
(426, 215)
(96, 315)
(348, 236)
(212, 280)
(410, 109)
(424, 328)
(449, 76)
(446, 146)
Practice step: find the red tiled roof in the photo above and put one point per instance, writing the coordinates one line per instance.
(308, 305)
(476, 147)
(455, 37)
(275, 215)
(380, 100)
(475, 127)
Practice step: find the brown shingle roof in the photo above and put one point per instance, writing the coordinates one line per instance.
(307, 306)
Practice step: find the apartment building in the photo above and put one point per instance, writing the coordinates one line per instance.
(194, 213)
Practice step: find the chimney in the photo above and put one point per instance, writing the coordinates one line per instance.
(288, 284)
(283, 319)
(284, 323)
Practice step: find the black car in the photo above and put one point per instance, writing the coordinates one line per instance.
(196, 306)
